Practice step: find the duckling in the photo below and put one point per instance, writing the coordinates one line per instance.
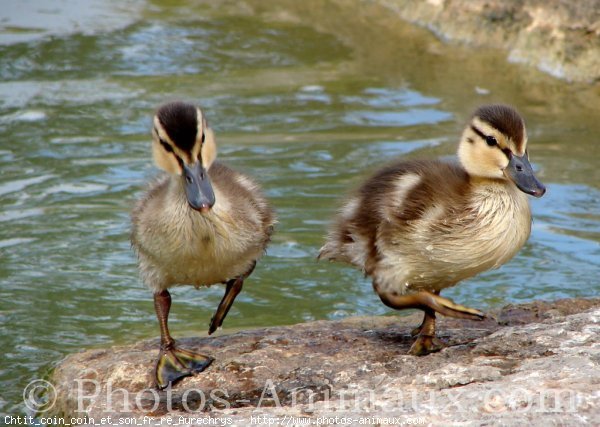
(418, 227)
(201, 223)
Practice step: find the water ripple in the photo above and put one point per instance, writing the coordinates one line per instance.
(288, 108)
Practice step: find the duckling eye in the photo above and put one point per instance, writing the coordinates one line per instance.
(203, 137)
(491, 141)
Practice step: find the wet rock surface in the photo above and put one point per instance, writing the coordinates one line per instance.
(536, 363)
(559, 37)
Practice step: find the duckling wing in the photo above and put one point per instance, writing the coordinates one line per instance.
(389, 205)
(243, 201)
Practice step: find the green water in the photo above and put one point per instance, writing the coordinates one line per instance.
(308, 97)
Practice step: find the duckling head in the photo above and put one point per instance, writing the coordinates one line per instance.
(184, 146)
(494, 146)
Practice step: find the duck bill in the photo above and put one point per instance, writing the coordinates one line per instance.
(198, 189)
(520, 172)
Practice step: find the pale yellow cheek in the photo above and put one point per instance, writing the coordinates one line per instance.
(490, 165)
(165, 161)
(482, 163)
(209, 149)
(502, 163)
(497, 159)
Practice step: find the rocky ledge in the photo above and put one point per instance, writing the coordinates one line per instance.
(560, 37)
(534, 364)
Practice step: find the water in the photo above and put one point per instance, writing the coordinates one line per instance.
(306, 97)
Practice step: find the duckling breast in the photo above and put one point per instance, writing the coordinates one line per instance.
(177, 245)
(452, 242)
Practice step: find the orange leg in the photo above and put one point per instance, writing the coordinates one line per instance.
(430, 303)
(234, 287)
(173, 363)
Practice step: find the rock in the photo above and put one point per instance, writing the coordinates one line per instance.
(534, 363)
(559, 37)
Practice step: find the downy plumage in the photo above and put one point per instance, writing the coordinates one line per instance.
(418, 227)
(199, 224)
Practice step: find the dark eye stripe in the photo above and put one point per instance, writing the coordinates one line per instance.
(166, 146)
(478, 132)
(169, 149)
(203, 137)
(491, 141)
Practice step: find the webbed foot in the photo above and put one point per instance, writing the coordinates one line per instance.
(416, 331)
(431, 303)
(175, 363)
(450, 308)
(425, 345)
